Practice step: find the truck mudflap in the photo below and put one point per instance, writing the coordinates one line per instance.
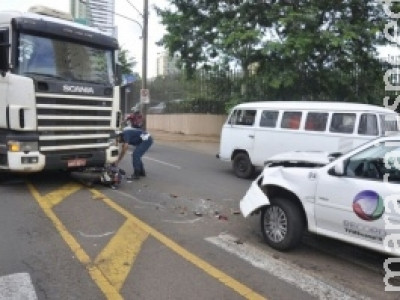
(253, 199)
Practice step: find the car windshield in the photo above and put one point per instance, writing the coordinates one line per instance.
(42, 56)
(379, 151)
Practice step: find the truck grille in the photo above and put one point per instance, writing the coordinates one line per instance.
(73, 122)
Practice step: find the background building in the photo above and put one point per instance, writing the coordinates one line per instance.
(95, 13)
(166, 65)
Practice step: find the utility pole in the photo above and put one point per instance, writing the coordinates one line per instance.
(144, 27)
(143, 107)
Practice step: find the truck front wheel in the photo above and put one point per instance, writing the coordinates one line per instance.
(242, 165)
(282, 224)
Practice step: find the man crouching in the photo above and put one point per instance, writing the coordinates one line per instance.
(142, 141)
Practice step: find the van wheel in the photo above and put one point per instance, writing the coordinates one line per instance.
(282, 224)
(242, 165)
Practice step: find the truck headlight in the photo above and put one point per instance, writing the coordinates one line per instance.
(113, 142)
(18, 146)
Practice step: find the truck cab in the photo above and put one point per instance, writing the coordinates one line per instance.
(59, 106)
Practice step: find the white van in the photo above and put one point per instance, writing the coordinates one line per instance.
(255, 131)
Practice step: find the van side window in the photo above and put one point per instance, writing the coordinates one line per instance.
(316, 121)
(243, 117)
(343, 122)
(269, 118)
(291, 119)
(368, 125)
(389, 123)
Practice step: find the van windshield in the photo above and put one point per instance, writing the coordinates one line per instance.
(242, 117)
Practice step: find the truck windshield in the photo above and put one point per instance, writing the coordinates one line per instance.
(65, 60)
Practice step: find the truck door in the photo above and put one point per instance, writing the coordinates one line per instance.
(4, 50)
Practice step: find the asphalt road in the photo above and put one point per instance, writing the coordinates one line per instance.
(175, 234)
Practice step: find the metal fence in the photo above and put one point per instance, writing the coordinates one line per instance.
(216, 92)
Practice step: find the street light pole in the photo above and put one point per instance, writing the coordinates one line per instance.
(144, 58)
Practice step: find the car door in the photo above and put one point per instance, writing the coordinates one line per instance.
(351, 206)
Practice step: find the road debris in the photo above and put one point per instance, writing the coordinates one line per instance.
(222, 217)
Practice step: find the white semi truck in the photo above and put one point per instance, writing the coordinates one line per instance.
(59, 102)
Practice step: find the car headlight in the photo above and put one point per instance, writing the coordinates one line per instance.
(19, 146)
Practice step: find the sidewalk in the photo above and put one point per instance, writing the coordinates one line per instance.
(201, 143)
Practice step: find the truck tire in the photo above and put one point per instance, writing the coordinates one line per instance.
(242, 165)
(282, 224)
(4, 176)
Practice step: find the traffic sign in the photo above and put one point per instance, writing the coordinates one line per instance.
(144, 96)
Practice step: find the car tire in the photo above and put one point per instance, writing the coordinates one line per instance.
(282, 224)
(242, 165)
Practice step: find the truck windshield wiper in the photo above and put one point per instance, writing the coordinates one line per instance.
(45, 75)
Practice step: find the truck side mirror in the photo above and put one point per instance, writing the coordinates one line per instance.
(4, 46)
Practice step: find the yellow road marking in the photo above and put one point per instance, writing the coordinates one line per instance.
(116, 259)
(203, 265)
(46, 204)
(60, 194)
(112, 265)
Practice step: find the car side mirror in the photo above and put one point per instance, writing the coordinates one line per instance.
(337, 169)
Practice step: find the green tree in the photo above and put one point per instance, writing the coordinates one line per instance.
(303, 49)
(126, 61)
(206, 32)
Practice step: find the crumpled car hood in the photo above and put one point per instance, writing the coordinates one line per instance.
(289, 178)
(313, 157)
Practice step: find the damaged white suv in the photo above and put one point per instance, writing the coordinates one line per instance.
(354, 197)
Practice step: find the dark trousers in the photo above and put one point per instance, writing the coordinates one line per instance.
(137, 154)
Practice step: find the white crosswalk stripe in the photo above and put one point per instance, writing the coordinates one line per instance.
(283, 270)
(17, 286)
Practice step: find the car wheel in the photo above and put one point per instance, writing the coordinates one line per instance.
(282, 224)
(242, 165)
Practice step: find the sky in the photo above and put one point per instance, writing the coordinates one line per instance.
(129, 33)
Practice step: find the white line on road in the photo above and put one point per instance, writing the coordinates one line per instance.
(17, 286)
(96, 235)
(140, 201)
(182, 222)
(160, 162)
(283, 270)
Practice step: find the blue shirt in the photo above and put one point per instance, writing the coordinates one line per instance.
(133, 136)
